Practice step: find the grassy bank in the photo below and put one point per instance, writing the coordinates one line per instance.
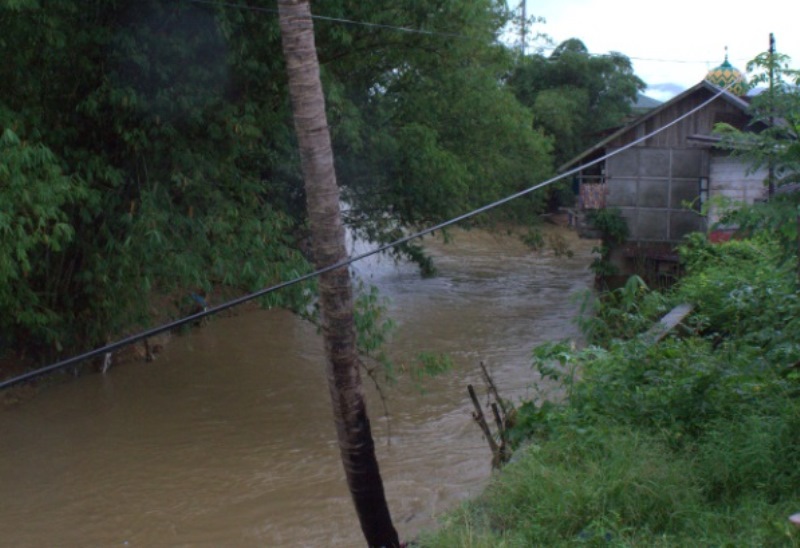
(693, 441)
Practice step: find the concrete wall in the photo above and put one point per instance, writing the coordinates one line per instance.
(729, 179)
(652, 187)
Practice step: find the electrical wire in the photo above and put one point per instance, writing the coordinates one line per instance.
(260, 293)
(342, 20)
(412, 30)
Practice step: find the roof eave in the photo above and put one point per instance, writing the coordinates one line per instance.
(726, 95)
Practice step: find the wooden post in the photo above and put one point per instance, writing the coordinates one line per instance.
(771, 161)
(493, 389)
(481, 420)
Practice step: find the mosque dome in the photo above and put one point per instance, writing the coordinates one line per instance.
(725, 75)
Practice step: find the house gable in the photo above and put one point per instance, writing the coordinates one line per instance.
(658, 183)
(726, 108)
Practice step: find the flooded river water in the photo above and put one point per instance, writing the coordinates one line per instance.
(226, 439)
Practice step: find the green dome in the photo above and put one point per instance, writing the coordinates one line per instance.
(725, 75)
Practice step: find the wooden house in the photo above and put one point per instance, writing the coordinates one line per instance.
(661, 183)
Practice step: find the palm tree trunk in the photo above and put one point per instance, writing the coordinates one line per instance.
(336, 295)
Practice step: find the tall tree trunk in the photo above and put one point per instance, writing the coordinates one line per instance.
(335, 288)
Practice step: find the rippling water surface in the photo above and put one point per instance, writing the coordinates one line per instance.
(227, 438)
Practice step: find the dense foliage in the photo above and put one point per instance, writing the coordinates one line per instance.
(148, 149)
(576, 96)
(613, 230)
(689, 441)
(424, 127)
(156, 168)
(777, 109)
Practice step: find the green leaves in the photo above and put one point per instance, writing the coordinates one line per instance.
(18, 5)
(34, 228)
(734, 355)
(738, 286)
(169, 123)
(574, 95)
(772, 138)
(424, 129)
(163, 167)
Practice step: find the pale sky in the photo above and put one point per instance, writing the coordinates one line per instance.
(677, 41)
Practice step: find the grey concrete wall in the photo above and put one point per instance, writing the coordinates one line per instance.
(657, 190)
(729, 179)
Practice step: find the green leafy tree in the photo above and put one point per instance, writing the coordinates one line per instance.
(773, 138)
(424, 129)
(174, 121)
(154, 109)
(575, 96)
(34, 230)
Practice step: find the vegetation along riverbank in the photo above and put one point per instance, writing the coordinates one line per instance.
(691, 441)
(150, 155)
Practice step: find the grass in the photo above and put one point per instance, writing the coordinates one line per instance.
(610, 487)
(694, 441)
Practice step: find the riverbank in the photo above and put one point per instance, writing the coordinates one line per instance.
(688, 442)
(10, 367)
(163, 309)
(226, 438)
(551, 236)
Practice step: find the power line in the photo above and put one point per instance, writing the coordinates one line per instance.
(240, 300)
(342, 20)
(412, 30)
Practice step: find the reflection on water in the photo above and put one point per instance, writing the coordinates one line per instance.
(227, 438)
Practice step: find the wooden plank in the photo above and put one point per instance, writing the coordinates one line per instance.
(667, 323)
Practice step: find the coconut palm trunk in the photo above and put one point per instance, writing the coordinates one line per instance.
(335, 288)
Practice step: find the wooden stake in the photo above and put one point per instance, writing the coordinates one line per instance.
(481, 420)
(493, 389)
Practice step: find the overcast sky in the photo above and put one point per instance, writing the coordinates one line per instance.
(677, 41)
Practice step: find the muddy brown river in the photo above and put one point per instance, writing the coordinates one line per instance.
(226, 439)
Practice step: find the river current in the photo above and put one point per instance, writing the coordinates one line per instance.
(226, 439)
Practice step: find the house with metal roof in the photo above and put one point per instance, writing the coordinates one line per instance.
(671, 168)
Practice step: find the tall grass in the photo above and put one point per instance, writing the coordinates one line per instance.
(694, 441)
(618, 487)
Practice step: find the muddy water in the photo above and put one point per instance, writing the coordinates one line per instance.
(227, 440)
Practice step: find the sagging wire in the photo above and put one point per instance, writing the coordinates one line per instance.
(265, 291)
(411, 30)
(342, 20)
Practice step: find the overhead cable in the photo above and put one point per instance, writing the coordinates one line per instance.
(260, 293)
(342, 20)
(412, 30)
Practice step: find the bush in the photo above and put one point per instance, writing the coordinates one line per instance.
(621, 313)
(692, 441)
(609, 486)
(738, 286)
(34, 228)
(614, 231)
